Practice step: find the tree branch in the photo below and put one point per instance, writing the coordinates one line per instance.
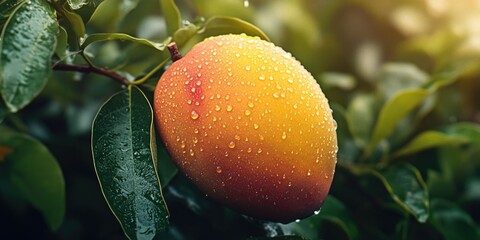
(92, 69)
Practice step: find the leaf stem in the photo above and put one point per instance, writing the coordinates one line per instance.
(92, 69)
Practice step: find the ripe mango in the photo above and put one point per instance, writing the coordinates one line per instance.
(249, 126)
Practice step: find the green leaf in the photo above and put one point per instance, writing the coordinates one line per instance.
(278, 238)
(334, 212)
(407, 188)
(399, 76)
(429, 139)
(33, 171)
(226, 25)
(61, 49)
(185, 33)
(77, 4)
(361, 109)
(340, 80)
(172, 15)
(392, 112)
(73, 24)
(6, 8)
(98, 37)
(470, 131)
(28, 42)
(109, 14)
(123, 146)
(452, 221)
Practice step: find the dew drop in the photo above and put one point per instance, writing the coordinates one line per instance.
(284, 135)
(219, 169)
(297, 221)
(250, 104)
(259, 150)
(255, 126)
(309, 173)
(229, 108)
(247, 68)
(194, 115)
(195, 140)
(231, 144)
(182, 144)
(247, 112)
(275, 95)
(217, 108)
(237, 137)
(249, 150)
(261, 77)
(317, 212)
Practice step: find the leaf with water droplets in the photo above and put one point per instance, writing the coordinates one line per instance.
(124, 153)
(333, 215)
(33, 173)
(77, 4)
(6, 8)
(28, 42)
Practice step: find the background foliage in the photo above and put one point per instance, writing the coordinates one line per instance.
(401, 77)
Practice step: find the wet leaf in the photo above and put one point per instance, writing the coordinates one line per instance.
(172, 15)
(226, 25)
(28, 42)
(77, 4)
(392, 112)
(124, 152)
(99, 37)
(34, 173)
(7, 7)
(407, 188)
(427, 140)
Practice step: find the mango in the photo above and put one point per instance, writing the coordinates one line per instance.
(249, 126)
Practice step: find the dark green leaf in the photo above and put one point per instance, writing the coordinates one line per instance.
(33, 171)
(28, 41)
(171, 15)
(166, 168)
(278, 238)
(334, 212)
(452, 221)
(123, 146)
(407, 188)
(470, 131)
(226, 25)
(392, 112)
(7, 7)
(98, 37)
(427, 140)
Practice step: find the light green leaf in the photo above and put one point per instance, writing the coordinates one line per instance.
(392, 112)
(77, 4)
(340, 80)
(226, 25)
(61, 49)
(34, 172)
(429, 139)
(28, 42)
(407, 188)
(73, 24)
(172, 15)
(399, 76)
(98, 37)
(124, 153)
(185, 33)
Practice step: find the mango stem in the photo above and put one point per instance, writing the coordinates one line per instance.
(173, 49)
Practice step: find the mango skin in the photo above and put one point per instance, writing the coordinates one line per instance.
(249, 126)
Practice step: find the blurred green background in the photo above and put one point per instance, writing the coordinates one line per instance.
(363, 53)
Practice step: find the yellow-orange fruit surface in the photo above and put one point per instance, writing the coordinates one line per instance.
(249, 126)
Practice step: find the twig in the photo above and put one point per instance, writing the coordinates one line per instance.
(92, 69)
(174, 54)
